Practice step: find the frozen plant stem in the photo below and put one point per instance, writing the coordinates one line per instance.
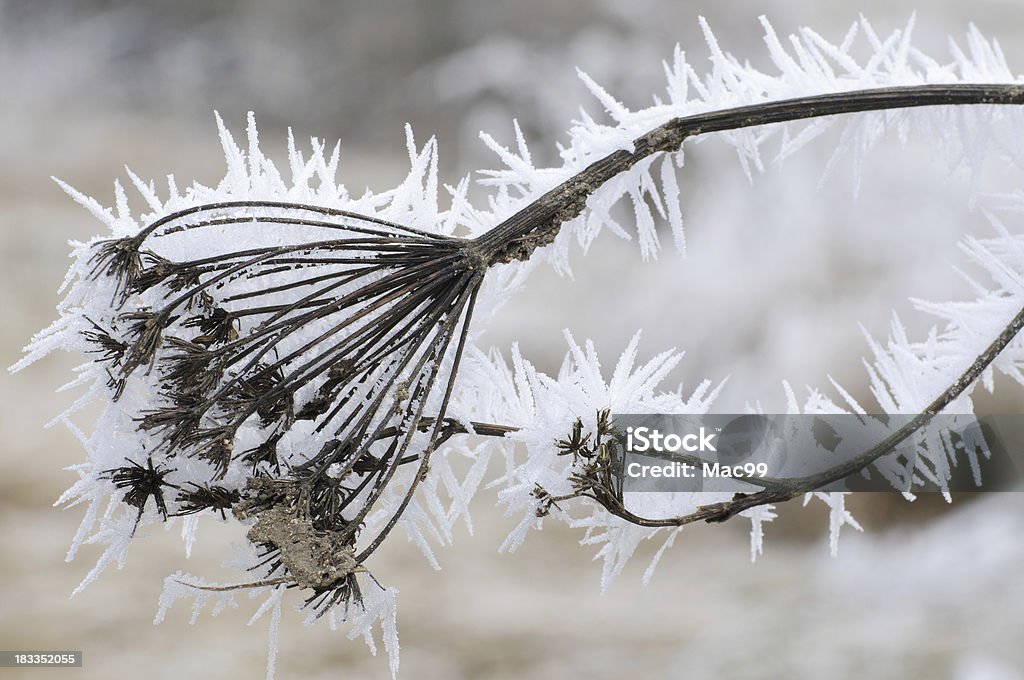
(538, 223)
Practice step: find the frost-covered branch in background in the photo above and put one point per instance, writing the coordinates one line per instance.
(276, 348)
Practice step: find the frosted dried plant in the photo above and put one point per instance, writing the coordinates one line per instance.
(308, 361)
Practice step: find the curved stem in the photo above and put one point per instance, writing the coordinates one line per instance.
(538, 223)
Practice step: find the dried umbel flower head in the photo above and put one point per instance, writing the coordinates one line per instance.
(342, 326)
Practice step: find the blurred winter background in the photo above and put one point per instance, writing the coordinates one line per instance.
(779, 273)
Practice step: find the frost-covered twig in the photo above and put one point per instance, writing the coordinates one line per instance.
(792, 488)
(596, 481)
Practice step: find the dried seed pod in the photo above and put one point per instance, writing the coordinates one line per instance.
(143, 483)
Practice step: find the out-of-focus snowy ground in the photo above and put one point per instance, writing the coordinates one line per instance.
(779, 274)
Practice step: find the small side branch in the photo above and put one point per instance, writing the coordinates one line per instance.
(599, 486)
